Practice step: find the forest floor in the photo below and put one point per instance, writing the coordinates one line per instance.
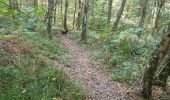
(92, 75)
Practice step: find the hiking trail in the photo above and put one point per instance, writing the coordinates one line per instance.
(92, 76)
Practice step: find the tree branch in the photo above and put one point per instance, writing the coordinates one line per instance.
(13, 9)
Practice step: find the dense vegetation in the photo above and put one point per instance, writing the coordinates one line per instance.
(27, 68)
(121, 34)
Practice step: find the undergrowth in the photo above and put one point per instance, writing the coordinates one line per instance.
(124, 52)
(27, 70)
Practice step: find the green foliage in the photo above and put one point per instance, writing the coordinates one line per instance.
(93, 35)
(4, 31)
(46, 84)
(32, 74)
(125, 54)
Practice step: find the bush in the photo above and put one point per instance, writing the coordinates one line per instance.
(125, 54)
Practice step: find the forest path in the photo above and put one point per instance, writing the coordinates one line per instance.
(91, 75)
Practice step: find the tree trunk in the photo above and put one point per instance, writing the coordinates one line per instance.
(84, 24)
(143, 14)
(79, 15)
(155, 59)
(50, 17)
(35, 2)
(119, 13)
(62, 11)
(75, 9)
(92, 22)
(55, 10)
(109, 11)
(161, 79)
(65, 15)
(14, 4)
(159, 5)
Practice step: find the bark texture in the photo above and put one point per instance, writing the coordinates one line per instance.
(155, 59)
(79, 15)
(65, 15)
(50, 17)
(84, 24)
(109, 11)
(75, 9)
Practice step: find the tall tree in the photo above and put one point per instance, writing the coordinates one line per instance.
(119, 13)
(159, 5)
(110, 2)
(55, 10)
(35, 2)
(75, 9)
(50, 17)
(65, 16)
(14, 4)
(143, 13)
(154, 61)
(79, 15)
(61, 3)
(84, 24)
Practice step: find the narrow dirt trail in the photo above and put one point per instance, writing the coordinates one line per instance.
(91, 76)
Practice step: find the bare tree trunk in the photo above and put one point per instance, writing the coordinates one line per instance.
(92, 23)
(50, 17)
(162, 76)
(62, 11)
(55, 10)
(75, 9)
(143, 14)
(79, 15)
(155, 59)
(84, 24)
(65, 16)
(14, 4)
(159, 5)
(35, 2)
(119, 13)
(109, 11)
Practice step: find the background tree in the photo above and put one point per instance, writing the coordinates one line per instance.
(159, 4)
(14, 4)
(79, 14)
(119, 13)
(65, 16)
(143, 13)
(55, 10)
(84, 24)
(35, 2)
(50, 17)
(75, 10)
(109, 11)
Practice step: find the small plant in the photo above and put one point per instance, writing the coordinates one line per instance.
(125, 54)
(27, 70)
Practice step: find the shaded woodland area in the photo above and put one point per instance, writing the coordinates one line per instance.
(128, 39)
